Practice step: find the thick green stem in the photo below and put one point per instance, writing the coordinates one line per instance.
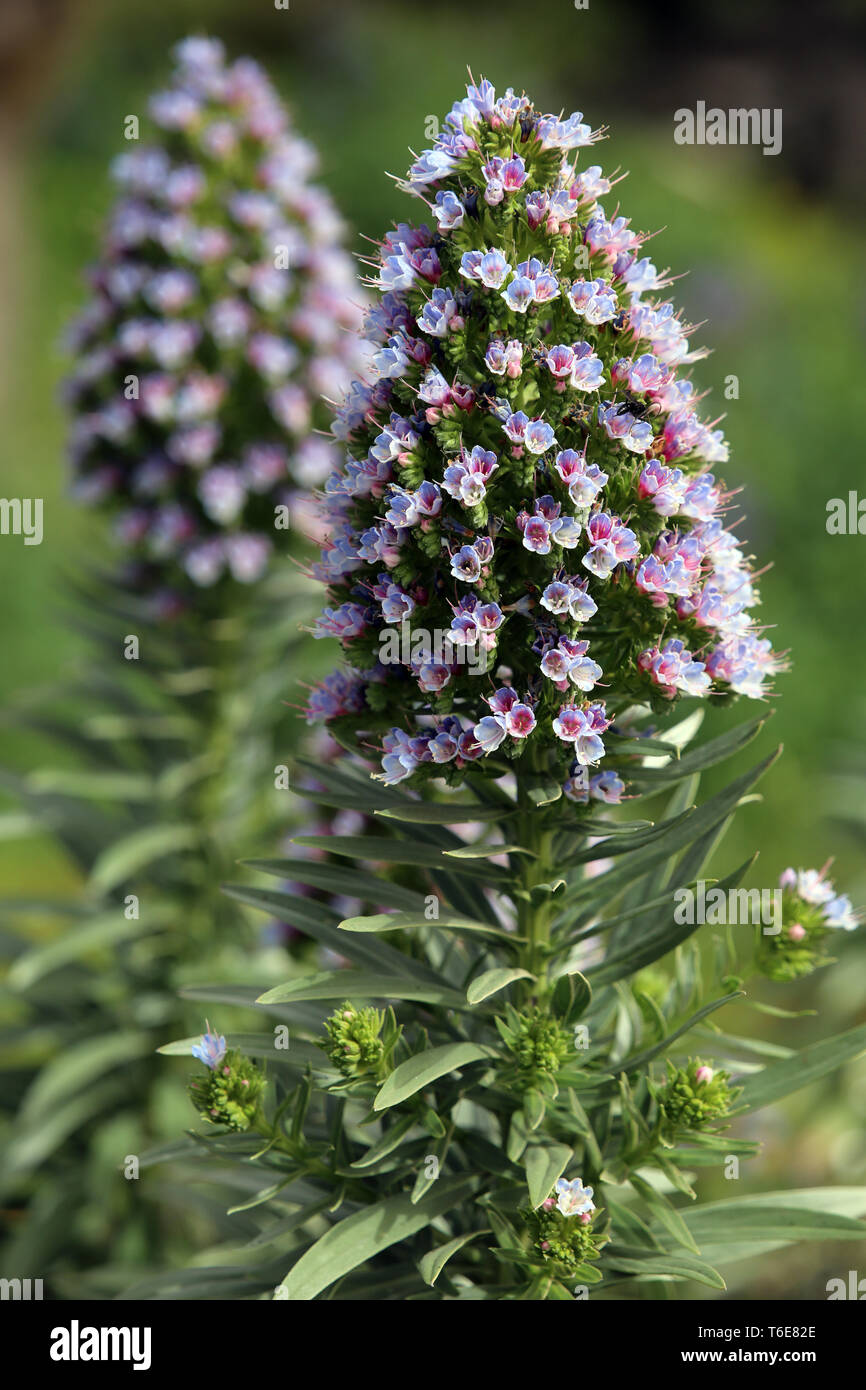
(534, 912)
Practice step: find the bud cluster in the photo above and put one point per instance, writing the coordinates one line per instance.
(693, 1097)
(561, 1228)
(539, 1043)
(354, 1043)
(811, 911)
(231, 1092)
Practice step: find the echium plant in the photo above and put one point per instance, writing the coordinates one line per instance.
(526, 537)
(217, 328)
(812, 911)
(512, 1089)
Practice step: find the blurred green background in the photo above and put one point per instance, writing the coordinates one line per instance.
(774, 250)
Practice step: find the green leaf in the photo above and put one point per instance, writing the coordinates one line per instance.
(665, 1213)
(544, 1164)
(630, 1228)
(134, 852)
(518, 1136)
(715, 750)
(442, 812)
(545, 793)
(492, 981)
(487, 851)
(390, 1140)
(684, 730)
(533, 1109)
(322, 923)
(622, 745)
(76, 1068)
(429, 1173)
(380, 850)
(774, 1011)
(674, 832)
(367, 1233)
(686, 830)
(335, 878)
(106, 930)
(640, 1059)
(15, 825)
(421, 1070)
(572, 995)
(772, 1083)
(670, 1266)
(628, 915)
(431, 1265)
(346, 778)
(662, 936)
(91, 786)
(33, 1141)
(265, 1195)
(246, 997)
(403, 921)
(600, 825)
(360, 984)
(782, 1217)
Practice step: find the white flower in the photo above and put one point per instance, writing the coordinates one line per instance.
(573, 1199)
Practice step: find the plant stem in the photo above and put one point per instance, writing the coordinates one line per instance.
(534, 917)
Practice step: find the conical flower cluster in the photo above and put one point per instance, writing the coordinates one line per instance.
(218, 323)
(527, 535)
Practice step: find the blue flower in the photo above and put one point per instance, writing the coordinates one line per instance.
(449, 211)
(211, 1049)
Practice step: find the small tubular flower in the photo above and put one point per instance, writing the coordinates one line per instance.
(548, 413)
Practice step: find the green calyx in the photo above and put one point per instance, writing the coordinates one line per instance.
(229, 1094)
(799, 948)
(694, 1097)
(539, 1044)
(354, 1043)
(566, 1240)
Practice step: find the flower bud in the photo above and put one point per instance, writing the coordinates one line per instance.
(693, 1098)
(230, 1094)
(354, 1044)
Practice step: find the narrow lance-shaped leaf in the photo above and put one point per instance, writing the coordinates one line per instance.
(367, 1233)
(656, 943)
(779, 1080)
(422, 1070)
(359, 984)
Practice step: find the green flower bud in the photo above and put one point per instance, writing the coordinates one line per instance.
(354, 1044)
(811, 911)
(785, 959)
(540, 1045)
(567, 1240)
(230, 1093)
(693, 1097)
